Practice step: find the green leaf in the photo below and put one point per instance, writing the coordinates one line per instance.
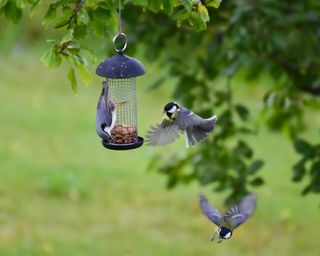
(139, 2)
(64, 21)
(306, 190)
(299, 170)
(80, 31)
(242, 149)
(50, 15)
(82, 60)
(315, 169)
(257, 182)
(84, 73)
(83, 16)
(67, 37)
(72, 80)
(12, 12)
(255, 166)
(304, 148)
(242, 112)
(90, 56)
(2, 3)
(172, 182)
(214, 3)
(104, 22)
(187, 5)
(51, 57)
(67, 11)
(167, 6)
(155, 5)
(203, 12)
(34, 7)
(199, 18)
(181, 16)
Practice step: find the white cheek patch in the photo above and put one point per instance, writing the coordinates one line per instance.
(172, 110)
(227, 236)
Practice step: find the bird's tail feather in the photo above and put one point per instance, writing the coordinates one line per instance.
(195, 134)
(102, 133)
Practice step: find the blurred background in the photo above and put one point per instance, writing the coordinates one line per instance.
(63, 193)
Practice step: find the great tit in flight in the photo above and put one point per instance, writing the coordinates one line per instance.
(106, 114)
(179, 119)
(233, 217)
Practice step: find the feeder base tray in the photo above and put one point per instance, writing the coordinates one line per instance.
(114, 146)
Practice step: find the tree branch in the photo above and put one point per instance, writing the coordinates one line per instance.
(73, 17)
(313, 90)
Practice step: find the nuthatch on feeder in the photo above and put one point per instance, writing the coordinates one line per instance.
(179, 119)
(106, 114)
(234, 216)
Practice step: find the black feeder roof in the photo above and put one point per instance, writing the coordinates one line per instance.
(120, 66)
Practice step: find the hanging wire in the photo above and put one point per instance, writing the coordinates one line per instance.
(120, 21)
(120, 33)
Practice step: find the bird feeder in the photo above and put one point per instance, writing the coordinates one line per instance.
(120, 72)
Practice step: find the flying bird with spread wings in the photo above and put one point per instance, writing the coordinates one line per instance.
(178, 120)
(232, 218)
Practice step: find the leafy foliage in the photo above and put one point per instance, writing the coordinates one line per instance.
(227, 160)
(309, 164)
(255, 38)
(277, 38)
(78, 18)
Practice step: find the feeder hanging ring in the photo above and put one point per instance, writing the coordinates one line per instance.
(120, 35)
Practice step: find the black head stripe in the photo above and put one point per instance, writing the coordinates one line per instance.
(170, 105)
(224, 231)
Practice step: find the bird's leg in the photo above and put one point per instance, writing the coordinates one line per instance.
(111, 137)
(217, 233)
(213, 235)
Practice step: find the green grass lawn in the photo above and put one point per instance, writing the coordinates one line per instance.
(62, 193)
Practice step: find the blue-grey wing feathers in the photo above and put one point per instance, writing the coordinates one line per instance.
(197, 128)
(239, 213)
(162, 134)
(212, 213)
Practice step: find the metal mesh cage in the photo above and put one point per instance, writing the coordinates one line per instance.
(121, 71)
(123, 93)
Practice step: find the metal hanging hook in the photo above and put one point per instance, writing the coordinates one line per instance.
(120, 33)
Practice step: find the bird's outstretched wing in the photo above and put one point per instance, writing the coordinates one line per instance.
(186, 118)
(239, 213)
(162, 134)
(197, 128)
(212, 213)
